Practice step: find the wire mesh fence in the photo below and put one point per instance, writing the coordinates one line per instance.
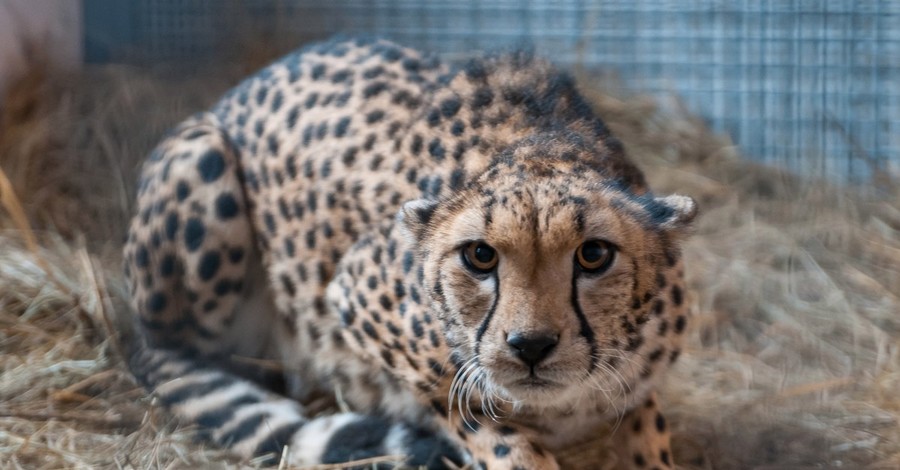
(811, 85)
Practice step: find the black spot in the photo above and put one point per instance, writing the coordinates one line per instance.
(261, 95)
(349, 156)
(182, 191)
(341, 76)
(167, 266)
(660, 280)
(142, 257)
(374, 116)
(288, 285)
(411, 65)
(209, 265)
(235, 255)
(211, 166)
(348, 315)
(372, 282)
(369, 143)
(322, 130)
(680, 323)
(222, 287)
(674, 355)
(483, 97)
(416, 146)
(311, 100)
(660, 422)
(435, 339)
(434, 117)
(373, 72)
(318, 71)
(289, 248)
(436, 149)
(374, 89)
(663, 327)
(376, 162)
(435, 367)
(194, 232)
(671, 259)
(157, 302)
(226, 206)
(408, 261)
(340, 129)
(501, 450)
(475, 70)
(392, 54)
(639, 460)
(459, 150)
(458, 128)
(417, 328)
(449, 107)
(634, 342)
(658, 307)
(269, 221)
(273, 144)
(388, 357)
(677, 296)
(664, 456)
(277, 100)
(369, 329)
(385, 302)
(656, 354)
(311, 239)
(399, 289)
(290, 165)
(171, 225)
(283, 208)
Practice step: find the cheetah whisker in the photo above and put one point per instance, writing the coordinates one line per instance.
(461, 387)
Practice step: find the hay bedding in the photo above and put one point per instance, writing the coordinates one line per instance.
(792, 359)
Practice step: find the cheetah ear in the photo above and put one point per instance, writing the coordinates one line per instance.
(672, 212)
(415, 216)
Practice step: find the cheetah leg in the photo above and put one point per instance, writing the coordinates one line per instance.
(498, 445)
(643, 439)
(201, 298)
(189, 249)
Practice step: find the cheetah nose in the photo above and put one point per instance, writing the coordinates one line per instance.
(532, 349)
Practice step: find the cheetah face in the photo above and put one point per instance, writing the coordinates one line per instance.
(532, 273)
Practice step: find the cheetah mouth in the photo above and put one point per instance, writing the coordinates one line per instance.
(534, 382)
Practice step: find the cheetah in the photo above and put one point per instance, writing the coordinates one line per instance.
(463, 253)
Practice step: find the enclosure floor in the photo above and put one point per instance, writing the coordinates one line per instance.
(792, 360)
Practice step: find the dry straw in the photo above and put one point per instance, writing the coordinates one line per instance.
(793, 354)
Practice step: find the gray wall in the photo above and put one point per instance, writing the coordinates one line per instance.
(811, 85)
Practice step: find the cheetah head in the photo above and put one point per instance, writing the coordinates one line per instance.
(538, 268)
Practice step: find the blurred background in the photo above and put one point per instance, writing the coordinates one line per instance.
(811, 85)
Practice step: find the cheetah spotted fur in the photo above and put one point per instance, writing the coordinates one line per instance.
(463, 253)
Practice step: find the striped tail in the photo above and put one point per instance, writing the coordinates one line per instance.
(252, 422)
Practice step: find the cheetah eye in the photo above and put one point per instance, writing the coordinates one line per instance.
(595, 256)
(479, 257)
